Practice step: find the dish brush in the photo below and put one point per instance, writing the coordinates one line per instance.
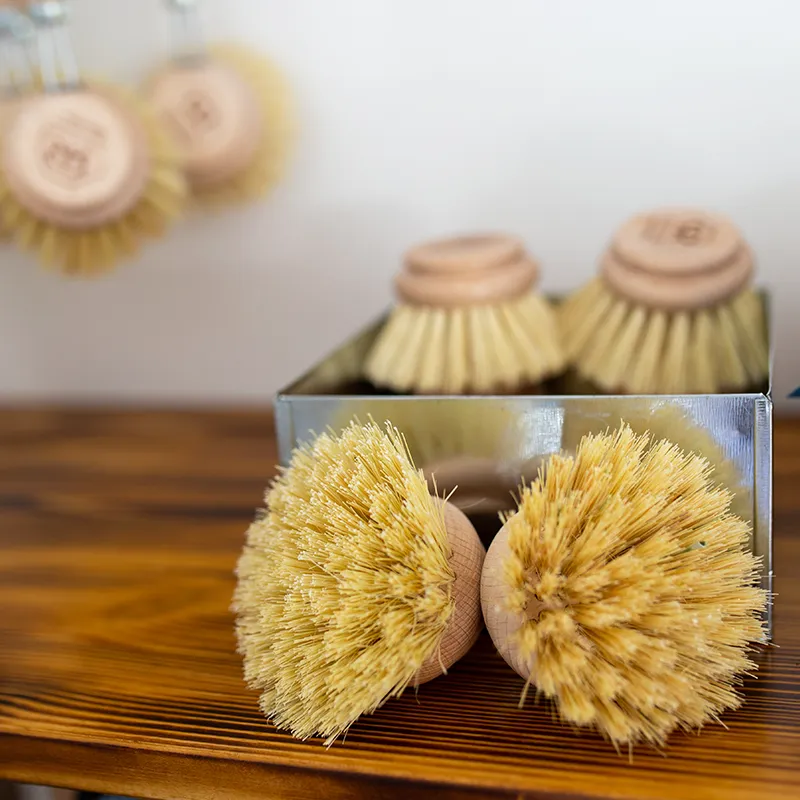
(467, 321)
(623, 590)
(354, 583)
(672, 312)
(228, 108)
(87, 173)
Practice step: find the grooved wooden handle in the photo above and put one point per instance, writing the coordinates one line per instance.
(464, 254)
(679, 292)
(466, 271)
(678, 259)
(467, 288)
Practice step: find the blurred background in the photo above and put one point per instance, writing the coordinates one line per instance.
(555, 121)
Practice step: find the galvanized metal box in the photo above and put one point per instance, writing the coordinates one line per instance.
(507, 436)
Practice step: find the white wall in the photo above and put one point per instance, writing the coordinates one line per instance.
(551, 118)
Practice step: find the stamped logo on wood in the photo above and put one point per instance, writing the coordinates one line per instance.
(195, 115)
(214, 114)
(72, 150)
(75, 159)
(664, 230)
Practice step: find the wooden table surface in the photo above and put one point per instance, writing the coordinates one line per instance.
(118, 536)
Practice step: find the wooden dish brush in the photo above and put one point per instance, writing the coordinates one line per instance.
(87, 173)
(354, 583)
(623, 590)
(467, 322)
(673, 311)
(228, 108)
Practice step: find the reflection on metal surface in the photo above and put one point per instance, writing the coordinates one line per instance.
(480, 485)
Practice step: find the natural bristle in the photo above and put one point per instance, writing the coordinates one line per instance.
(632, 587)
(91, 250)
(667, 420)
(475, 349)
(344, 585)
(621, 346)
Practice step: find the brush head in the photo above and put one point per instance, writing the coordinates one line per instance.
(673, 311)
(624, 591)
(467, 322)
(353, 584)
(678, 259)
(230, 115)
(86, 176)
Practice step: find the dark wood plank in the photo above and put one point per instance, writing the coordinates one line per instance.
(118, 536)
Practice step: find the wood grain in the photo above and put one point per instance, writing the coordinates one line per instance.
(118, 536)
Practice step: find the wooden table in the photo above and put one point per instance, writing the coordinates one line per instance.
(118, 536)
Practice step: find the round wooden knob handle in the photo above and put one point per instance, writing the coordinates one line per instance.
(214, 116)
(501, 623)
(678, 292)
(464, 254)
(75, 159)
(456, 290)
(466, 622)
(677, 260)
(676, 241)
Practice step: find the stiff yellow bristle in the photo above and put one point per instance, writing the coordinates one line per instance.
(270, 159)
(344, 585)
(642, 585)
(665, 420)
(477, 349)
(623, 347)
(95, 250)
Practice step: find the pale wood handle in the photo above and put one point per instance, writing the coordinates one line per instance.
(466, 623)
(467, 289)
(678, 259)
(466, 271)
(464, 254)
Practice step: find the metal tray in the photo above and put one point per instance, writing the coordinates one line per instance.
(509, 435)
